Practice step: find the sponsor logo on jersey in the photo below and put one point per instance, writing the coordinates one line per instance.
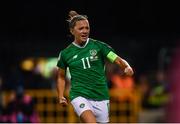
(93, 54)
(82, 105)
(75, 56)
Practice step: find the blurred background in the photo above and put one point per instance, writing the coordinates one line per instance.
(145, 33)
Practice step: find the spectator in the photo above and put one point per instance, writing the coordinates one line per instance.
(20, 109)
(153, 99)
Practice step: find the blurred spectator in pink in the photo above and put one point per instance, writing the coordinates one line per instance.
(20, 109)
(173, 108)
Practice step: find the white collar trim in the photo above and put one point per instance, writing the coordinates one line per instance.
(79, 45)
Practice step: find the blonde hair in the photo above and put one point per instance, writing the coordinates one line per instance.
(74, 17)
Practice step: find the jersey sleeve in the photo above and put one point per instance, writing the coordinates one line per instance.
(60, 62)
(105, 49)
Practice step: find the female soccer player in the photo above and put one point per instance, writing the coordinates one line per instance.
(85, 58)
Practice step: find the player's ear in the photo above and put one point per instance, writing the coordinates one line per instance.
(72, 32)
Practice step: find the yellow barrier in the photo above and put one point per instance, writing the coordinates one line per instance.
(124, 107)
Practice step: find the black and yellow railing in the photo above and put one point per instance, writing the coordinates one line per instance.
(124, 106)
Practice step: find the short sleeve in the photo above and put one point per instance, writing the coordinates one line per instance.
(60, 62)
(105, 49)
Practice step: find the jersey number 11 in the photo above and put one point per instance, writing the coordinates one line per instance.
(86, 63)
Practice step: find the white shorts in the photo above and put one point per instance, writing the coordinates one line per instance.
(99, 108)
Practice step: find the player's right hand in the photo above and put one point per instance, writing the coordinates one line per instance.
(128, 71)
(63, 101)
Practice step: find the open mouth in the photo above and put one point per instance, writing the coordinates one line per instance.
(84, 36)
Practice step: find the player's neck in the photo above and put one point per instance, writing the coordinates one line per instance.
(81, 44)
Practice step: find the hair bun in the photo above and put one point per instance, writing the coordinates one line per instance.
(72, 14)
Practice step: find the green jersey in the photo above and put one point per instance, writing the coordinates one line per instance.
(86, 66)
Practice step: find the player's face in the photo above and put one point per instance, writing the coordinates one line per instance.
(81, 31)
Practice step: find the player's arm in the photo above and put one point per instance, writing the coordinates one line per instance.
(123, 64)
(60, 82)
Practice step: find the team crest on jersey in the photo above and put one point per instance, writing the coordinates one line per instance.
(92, 52)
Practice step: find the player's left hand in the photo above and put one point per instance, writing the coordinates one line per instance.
(63, 101)
(128, 71)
